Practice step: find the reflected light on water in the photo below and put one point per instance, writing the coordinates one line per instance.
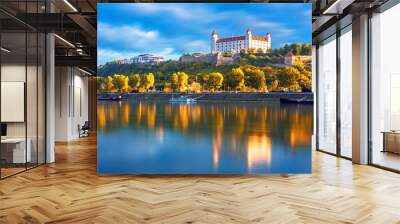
(160, 134)
(101, 116)
(151, 116)
(126, 110)
(230, 132)
(258, 150)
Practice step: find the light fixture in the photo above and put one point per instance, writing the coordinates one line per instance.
(70, 5)
(5, 50)
(337, 7)
(86, 72)
(64, 40)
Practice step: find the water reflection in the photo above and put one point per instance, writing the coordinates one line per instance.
(225, 137)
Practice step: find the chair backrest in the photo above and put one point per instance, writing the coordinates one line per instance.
(86, 125)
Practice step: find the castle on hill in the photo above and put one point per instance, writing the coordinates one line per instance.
(238, 43)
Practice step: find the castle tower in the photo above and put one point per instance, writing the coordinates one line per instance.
(269, 40)
(248, 39)
(214, 38)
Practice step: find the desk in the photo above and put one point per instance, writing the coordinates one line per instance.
(19, 155)
(391, 141)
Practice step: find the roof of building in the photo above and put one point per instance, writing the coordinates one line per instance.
(213, 32)
(231, 39)
(260, 38)
(228, 39)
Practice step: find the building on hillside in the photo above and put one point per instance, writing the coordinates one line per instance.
(291, 59)
(142, 59)
(147, 59)
(238, 43)
(126, 61)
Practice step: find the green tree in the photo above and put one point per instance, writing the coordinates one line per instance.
(260, 51)
(235, 78)
(296, 48)
(227, 54)
(134, 81)
(306, 49)
(148, 81)
(214, 81)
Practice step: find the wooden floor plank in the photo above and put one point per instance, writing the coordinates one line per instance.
(70, 191)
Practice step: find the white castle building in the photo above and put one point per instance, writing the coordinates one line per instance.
(235, 44)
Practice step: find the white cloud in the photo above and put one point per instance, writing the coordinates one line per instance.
(178, 10)
(126, 34)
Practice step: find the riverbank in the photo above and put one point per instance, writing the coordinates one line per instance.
(219, 96)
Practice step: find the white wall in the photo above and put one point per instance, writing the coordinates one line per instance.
(12, 73)
(71, 102)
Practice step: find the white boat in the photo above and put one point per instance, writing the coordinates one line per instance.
(182, 99)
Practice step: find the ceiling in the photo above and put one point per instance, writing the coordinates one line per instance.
(75, 22)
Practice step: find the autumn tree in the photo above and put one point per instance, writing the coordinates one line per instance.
(274, 85)
(235, 78)
(289, 77)
(148, 81)
(109, 86)
(167, 87)
(214, 81)
(179, 81)
(255, 78)
(100, 82)
(195, 87)
(134, 81)
(121, 83)
(174, 81)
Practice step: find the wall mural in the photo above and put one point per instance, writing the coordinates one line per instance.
(204, 88)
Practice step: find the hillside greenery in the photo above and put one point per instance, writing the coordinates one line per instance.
(250, 72)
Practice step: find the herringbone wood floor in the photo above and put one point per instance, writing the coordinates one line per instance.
(70, 191)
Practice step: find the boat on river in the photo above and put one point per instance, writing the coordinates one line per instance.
(182, 99)
(303, 100)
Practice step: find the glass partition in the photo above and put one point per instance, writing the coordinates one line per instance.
(327, 95)
(13, 93)
(22, 87)
(385, 89)
(32, 97)
(346, 92)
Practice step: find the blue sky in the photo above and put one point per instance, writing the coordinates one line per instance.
(128, 29)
